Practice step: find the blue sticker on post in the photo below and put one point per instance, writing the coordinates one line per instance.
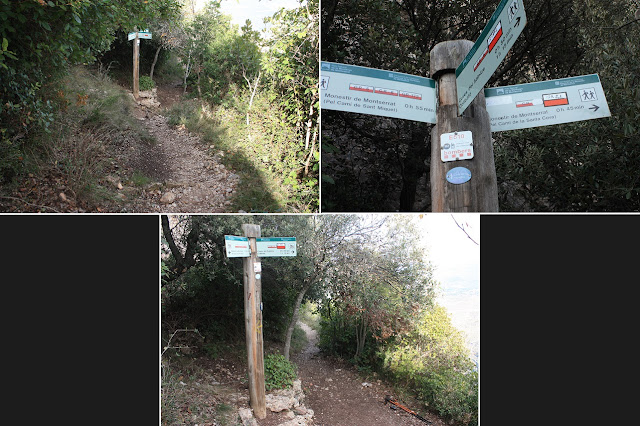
(458, 175)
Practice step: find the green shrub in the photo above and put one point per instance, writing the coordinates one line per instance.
(146, 83)
(278, 372)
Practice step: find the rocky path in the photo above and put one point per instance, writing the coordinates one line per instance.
(186, 177)
(339, 397)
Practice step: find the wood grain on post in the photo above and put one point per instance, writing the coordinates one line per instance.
(480, 194)
(253, 325)
(136, 65)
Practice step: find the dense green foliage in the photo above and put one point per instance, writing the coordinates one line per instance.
(257, 95)
(432, 359)
(378, 312)
(40, 39)
(378, 164)
(260, 95)
(279, 373)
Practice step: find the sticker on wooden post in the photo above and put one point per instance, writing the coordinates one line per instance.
(456, 146)
(458, 175)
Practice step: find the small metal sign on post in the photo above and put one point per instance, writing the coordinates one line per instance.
(251, 247)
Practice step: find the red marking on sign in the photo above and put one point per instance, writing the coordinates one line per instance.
(495, 36)
(481, 58)
(417, 96)
(386, 92)
(555, 99)
(556, 102)
(360, 88)
(524, 104)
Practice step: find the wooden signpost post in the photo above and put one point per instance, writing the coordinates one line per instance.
(250, 248)
(253, 322)
(136, 65)
(136, 36)
(480, 192)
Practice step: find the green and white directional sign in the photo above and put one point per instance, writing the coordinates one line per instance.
(276, 246)
(237, 246)
(546, 102)
(489, 50)
(141, 34)
(377, 92)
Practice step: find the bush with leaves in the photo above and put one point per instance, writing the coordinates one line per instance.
(278, 372)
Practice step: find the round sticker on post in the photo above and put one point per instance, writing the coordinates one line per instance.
(458, 175)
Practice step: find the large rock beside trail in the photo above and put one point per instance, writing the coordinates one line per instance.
(149, 98)
(285, 399)
(247, 417)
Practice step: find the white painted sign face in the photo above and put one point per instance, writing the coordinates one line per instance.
(546, 102)
(276, 246)
(141, 34)
(498, 36)
(257, 267)
(456, 146)
(377, 92)
(237, 246)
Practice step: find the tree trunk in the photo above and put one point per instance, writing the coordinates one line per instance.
(294, 319)
(153, 64)
(186, 74)
(361, 335)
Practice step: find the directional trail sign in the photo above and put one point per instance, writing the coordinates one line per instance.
(237, 246)
(546, 102)
(489, 50)
(372, 91)
(276, 246)
(141, 34)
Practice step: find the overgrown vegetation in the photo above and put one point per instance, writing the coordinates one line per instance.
(367, 286)
(279, 373)
(256, 96)
(40, 41)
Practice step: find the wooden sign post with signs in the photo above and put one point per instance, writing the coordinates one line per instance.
(136, 36)
(466, 137)
(251, 247)
(253, 322)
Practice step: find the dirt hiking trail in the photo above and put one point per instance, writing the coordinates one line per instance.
(186, 177)
(339, 397)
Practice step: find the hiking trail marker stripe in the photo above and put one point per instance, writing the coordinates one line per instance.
(498, 36)
(372, 91)
(546, 102)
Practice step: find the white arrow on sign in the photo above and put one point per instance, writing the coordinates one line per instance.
(498, 36)
(546, 102)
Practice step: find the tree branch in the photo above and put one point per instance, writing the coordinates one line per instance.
(464, 230)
